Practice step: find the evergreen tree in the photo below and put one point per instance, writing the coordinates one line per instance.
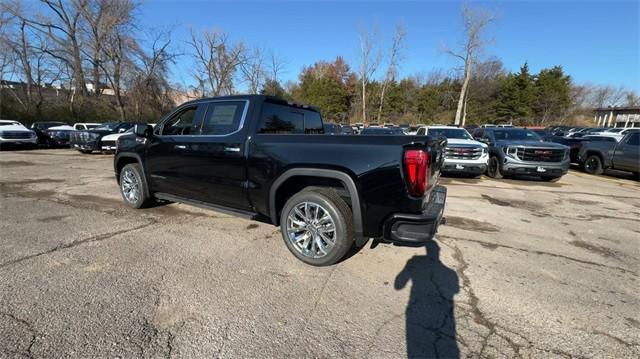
(553, 94)
(273, 88)
(516, 95)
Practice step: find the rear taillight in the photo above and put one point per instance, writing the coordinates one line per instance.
(416, 166)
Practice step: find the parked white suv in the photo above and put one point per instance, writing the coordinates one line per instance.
(463, 154)
(108, 142)
(85, 126)
(13, 132)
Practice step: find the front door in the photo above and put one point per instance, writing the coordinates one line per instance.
(627, 155)
(168, 159)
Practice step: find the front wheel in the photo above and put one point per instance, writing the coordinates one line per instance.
(133, 186)
(317, 226)
(493, 169)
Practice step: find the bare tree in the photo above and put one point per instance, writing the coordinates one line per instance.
(631, 98)
(218, 60)
(253, 69)
(395, 55)
(475, 23)
(105, 20)
(63, 28)
(150, 85)
(603, 96)
(369, 62)
(276, 66)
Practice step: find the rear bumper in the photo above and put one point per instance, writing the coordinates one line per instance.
(417, 228)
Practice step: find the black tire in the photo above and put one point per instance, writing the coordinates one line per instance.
(86, 152)
(142, 199)
(339, 212)
(593, 165)
(550, 178)
(493, 169)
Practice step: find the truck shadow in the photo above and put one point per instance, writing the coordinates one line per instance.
(430, 321)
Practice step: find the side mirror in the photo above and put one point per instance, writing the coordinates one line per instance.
(142, 130)
(121, 130)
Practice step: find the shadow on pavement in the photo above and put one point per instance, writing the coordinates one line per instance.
(430, 323)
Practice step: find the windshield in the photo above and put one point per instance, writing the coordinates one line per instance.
(91, 126)
(9, 123)
(107, 126)
(515, 135)
(45, 125)
(616, 130)
(382, 131)
(457, 133)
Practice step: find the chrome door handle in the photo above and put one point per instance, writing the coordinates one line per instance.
(232, 149)
(180, 147)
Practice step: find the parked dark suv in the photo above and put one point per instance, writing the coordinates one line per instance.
(517, 151)
(88, 141)
(265, 158)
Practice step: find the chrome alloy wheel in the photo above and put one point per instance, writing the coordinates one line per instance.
(311, 230)
(130, 186)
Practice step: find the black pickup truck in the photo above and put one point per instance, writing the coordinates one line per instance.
(267, 159)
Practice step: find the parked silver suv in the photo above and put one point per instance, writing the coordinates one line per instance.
(517, 151)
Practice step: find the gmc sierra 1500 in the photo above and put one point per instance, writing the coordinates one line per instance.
(268, 159)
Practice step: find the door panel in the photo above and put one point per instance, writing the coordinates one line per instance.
(168, 161)
(627, 154)
(219, 155)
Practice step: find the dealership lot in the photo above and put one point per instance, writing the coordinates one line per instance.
(522, 268)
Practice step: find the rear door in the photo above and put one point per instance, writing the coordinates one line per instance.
(627, 153)
(217, 155)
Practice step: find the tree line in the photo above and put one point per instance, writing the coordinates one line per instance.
(90, 60)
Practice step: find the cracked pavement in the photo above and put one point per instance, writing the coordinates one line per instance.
(522, 269)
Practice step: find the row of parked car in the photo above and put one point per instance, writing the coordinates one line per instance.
(85, 137)
(494, 150)
(503, 150)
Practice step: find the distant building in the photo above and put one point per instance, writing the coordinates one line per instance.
(627, 116)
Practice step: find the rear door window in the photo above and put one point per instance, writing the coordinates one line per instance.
(222, 118)
(634, 139)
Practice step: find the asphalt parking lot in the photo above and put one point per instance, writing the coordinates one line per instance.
(522, 269)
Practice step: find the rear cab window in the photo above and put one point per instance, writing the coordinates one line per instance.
(283, 119)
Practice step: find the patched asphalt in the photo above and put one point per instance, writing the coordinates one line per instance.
(523, 268)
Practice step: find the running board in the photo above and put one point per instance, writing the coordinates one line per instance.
(205, 205)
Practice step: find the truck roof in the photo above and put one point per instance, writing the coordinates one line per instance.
(256, 98)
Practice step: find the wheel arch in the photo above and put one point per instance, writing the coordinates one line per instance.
(599, 154)
(123, 159)
(317, 173)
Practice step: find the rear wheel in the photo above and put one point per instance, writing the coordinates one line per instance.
(133, 186)
(593, 165)
(493, 169)
(317, 226)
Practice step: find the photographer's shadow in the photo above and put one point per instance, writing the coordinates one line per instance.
(430, 321)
